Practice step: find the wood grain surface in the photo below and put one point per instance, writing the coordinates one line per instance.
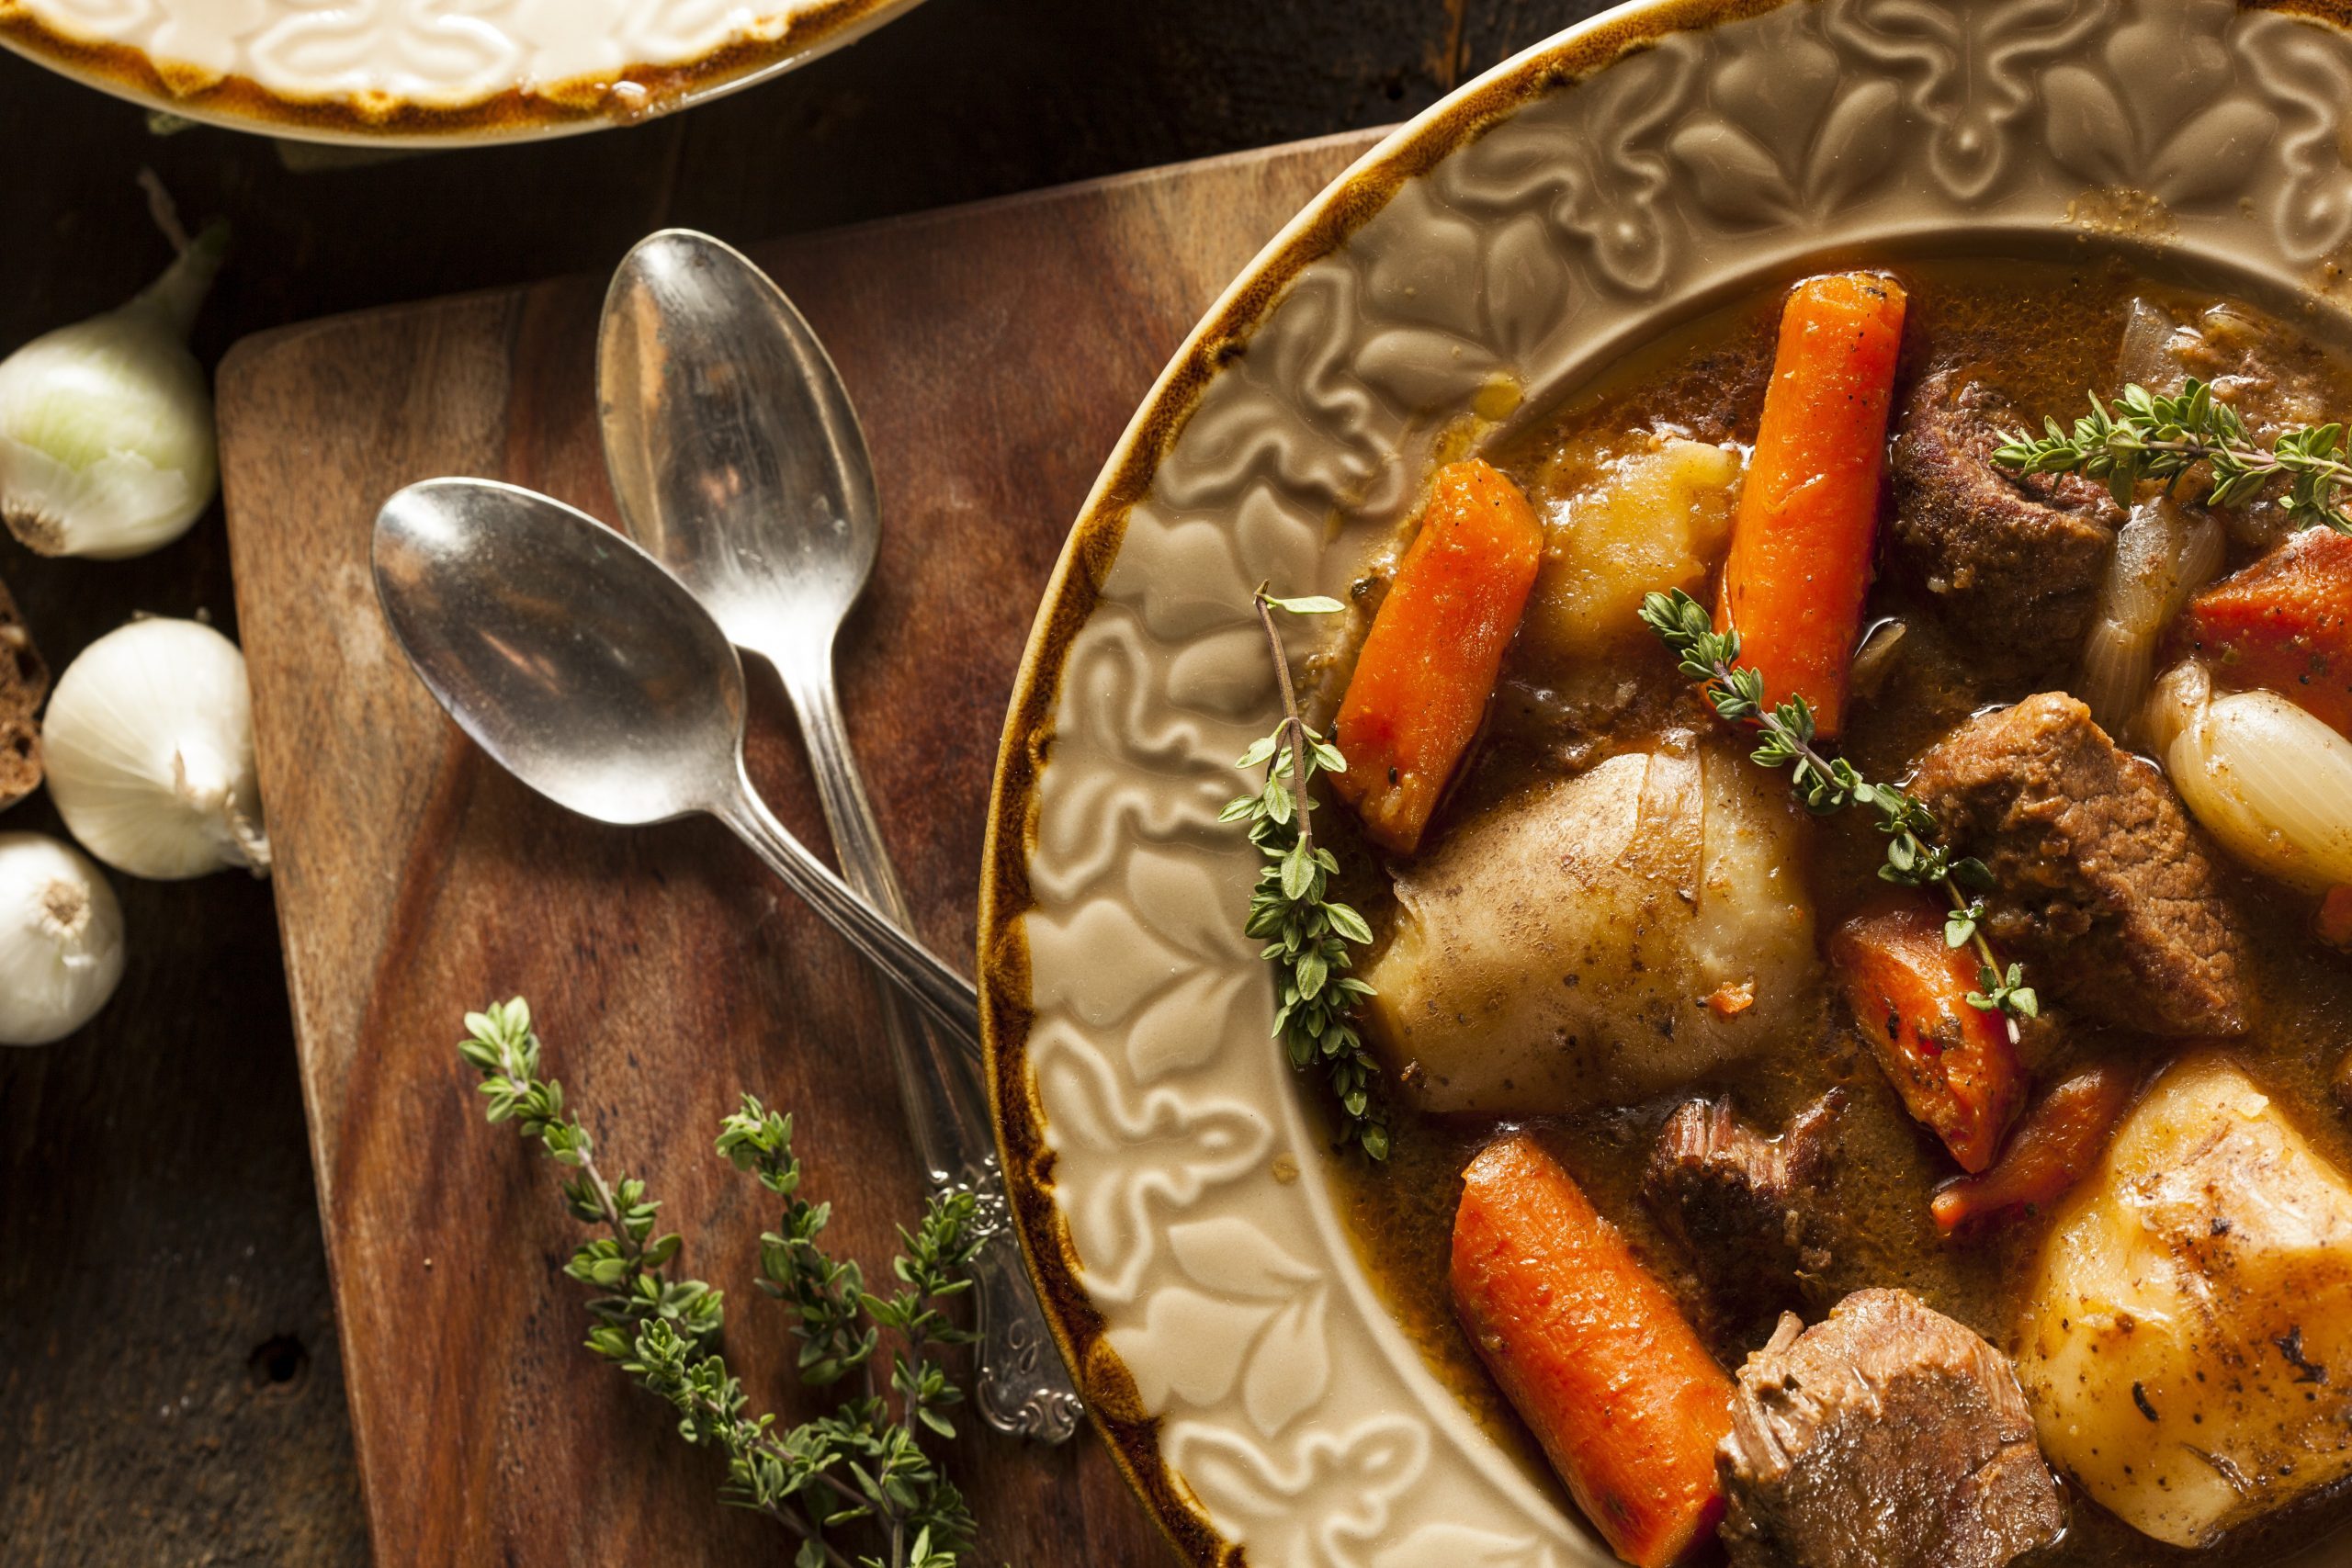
(995, 352)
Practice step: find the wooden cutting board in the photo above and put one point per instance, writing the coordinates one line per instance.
(995, 352)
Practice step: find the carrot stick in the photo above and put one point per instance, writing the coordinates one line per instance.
(1800, 541)
(2284, 624)
(1951, 1063)
(1592, 1352)
(1430, 662)
(2055, 1146)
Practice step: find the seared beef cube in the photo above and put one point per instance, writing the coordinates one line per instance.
(2275, 378)
(2014, 561)
(2102, 884)
(1886, 1436)
(1737, 1203)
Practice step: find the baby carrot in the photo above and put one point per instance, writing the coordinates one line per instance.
(2055, 1146)
(1808, 509)
(1592, 1352)
(1430, 662)
(2284, 624)
(1951, 1062)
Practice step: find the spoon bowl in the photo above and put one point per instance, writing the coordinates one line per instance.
(565, 650)
(732, 443)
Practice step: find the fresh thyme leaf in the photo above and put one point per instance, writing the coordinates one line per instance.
(1786, 736)
(2007, 993)
(1306, 932)
(2150, 435)
(1312, 604)
(864, 1462)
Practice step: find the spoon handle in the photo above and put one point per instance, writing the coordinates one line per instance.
(915, 968)
(1022, 1387)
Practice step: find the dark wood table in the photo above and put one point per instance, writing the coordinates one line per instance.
(169, 1384)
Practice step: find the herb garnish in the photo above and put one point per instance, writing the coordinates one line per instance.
(1831, 785)
(862, 1462)
(1307, 932)
(2150, 435)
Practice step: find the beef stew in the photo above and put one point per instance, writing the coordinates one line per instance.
(1614, 937)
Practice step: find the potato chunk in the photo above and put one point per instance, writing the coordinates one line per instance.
(1563, 949)
(2188, 1344)
(1652, 519)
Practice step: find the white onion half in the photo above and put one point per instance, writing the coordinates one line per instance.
(2270, 782)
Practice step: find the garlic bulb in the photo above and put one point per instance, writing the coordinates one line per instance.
(150, 746)
(106, 427)
(61, 940)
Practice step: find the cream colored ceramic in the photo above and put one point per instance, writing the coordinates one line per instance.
(429, 70)
(1519, 236)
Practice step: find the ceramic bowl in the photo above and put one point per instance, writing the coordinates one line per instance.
(432, 72)
(1169, 1181)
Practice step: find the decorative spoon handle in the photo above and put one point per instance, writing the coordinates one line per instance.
(1024, 1388)
(913, 967)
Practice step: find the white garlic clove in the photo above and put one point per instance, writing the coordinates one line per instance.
(61, 940)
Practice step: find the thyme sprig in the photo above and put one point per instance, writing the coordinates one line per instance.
(864, 1462)
(630, 1265)
(1308, 933)
(1786, 736)
(2153, 436)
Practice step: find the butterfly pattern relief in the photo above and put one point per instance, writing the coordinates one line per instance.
(1292, 1414)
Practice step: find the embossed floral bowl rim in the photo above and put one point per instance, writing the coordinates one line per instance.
(789, 34)
(1492, 255)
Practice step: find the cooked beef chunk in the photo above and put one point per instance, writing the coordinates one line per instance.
(2015, 562)
(2273, 376)
(1886, 1436)
(24, 682)
(2101, 882)
(1736, 1203)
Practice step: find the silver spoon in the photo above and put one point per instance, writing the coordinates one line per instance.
(587, 672)
(738, 463)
